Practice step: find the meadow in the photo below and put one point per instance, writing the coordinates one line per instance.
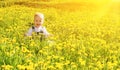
(86, 36)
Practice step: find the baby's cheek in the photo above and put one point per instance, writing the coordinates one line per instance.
(34, 22)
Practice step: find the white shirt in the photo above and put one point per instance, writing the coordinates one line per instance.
(43, 29)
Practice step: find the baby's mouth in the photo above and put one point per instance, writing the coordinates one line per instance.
(38, 24)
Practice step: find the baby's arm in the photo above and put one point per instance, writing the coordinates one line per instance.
(29, 33)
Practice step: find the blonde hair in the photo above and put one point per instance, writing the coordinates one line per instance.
(39, 15)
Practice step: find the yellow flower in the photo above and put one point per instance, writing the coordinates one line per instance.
(7, 67)
(72, 49)
(61, 58)
(24, 49)
(1, 18)
(30, 37)
(32, 43)
(110, 65)
(14, 41)
(115, 63)
(118, 69)
(59, 65)
(40, 62)
(99, 65)
(74, 65)
(56, 57)
(67, 62)
(28, 61)
(7, 53)
(59, 47)
(22, 44)
(40, 51)
(86, 54)
(82, 62)
(45, 53)
(91, 49)
(51, 67)
(17, 48)
(96, 68)
(29, 55)
(91, 54)
(21, 67)
(49, 57)
(30, 67)
(79, 52)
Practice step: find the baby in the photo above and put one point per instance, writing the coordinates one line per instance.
(38, 28)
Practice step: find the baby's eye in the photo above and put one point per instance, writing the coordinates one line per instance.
(36, 20)
(39, 20)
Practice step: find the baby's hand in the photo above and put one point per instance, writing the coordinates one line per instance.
(49, 35)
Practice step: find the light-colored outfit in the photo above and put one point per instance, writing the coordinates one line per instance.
(40, 29)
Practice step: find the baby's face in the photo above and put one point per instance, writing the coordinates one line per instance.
(38, 21)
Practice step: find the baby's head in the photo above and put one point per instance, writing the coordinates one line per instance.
(38, 19)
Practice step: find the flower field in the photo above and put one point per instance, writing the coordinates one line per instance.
(86, 36)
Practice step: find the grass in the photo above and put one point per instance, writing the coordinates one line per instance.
(86, 36)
